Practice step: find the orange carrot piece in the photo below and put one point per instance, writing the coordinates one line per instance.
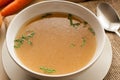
(14, 7)
(5, 2)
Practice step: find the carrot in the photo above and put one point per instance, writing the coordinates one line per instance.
(14, 7)
(5, 2)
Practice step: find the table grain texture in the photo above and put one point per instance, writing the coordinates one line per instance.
(114, 72)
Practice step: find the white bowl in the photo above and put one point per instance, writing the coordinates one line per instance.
(54, 6)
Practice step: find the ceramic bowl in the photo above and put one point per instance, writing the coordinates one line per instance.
(54, 6)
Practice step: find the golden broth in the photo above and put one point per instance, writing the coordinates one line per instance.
(53, 44)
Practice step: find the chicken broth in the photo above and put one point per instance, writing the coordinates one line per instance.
(55, 43)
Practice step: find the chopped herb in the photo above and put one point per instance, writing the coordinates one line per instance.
(22, 39)
(85, 23)
(71, 21)
(31, 34)
(29, 42)
(70, 18)
(17, 46)
(83, 42)
(72, 45)
(47, 70)
(91, 30)
(46, 15)
(76, 24)
(19, 42)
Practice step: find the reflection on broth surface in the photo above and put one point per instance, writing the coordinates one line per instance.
(55, 43)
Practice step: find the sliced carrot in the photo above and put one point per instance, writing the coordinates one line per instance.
(14, 7)
(4, 2)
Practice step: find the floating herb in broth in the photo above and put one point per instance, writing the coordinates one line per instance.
(91, 30)
(83, 41)
(72, 45)
(47, 70)
(46, 15)
(70, 17)
(85, 24)
(23, 38)
(60, 40)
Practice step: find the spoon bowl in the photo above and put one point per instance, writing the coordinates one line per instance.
(108, 18)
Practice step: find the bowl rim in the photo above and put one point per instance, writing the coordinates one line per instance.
(59, 75)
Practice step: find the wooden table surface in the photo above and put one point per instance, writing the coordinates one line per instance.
(114, 72)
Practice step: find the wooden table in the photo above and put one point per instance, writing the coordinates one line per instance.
(114, 72)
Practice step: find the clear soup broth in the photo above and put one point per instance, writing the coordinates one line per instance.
(55, 43)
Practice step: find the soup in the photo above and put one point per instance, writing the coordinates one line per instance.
(55, 43)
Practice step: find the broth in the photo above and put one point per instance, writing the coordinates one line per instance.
(55, 43)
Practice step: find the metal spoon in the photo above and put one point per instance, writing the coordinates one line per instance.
(108, 17)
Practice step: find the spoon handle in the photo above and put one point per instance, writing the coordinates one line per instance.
(117, 33)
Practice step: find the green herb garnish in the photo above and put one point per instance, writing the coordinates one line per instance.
(91, 30)
(83, 42)
(70, 18)
(71, 21)
(85, 23)
(72, 45)
(29, 42)
(19, 42)
(76, 24)
(46, 15)
(22, 39)
(47, 70)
